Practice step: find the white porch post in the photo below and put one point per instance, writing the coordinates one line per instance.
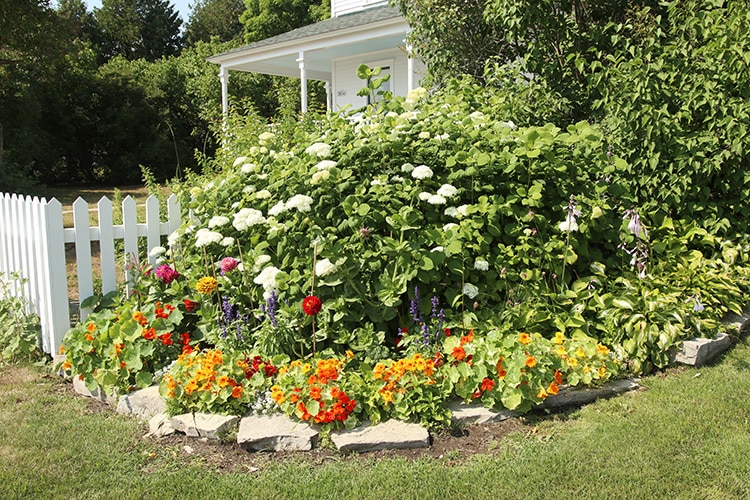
(409, 68)
(303, 80)
(224, 77)
(329, 96)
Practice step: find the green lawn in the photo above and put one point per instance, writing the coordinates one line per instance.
(686, 436)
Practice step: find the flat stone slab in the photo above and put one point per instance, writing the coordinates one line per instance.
(275, 433)
(204, 425)
(144, 403)
(160, 425)
(699, 351)
(80, 387)
(389, 435)
(577, 396)
(473, 413)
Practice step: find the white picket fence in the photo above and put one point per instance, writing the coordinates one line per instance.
(32, 241)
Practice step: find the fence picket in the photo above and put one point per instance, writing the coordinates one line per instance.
(107, 246)
(33, 238)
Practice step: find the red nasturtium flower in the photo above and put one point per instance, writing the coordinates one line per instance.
(487, 384)
(311, 305)
(190, 305)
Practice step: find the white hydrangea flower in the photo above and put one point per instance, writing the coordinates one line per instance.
(217, 221)
(261, 261)
(227, 242)
(262, 176)
(449, 226)
(247, 217)
(248, 168)
(422, 172)
(265, 137)
(463, 210)
(204, 237)
(407, 168)
(157, 251)
(424, 135)
(416, 94)
(239, 161)
(477, 116)
(319, 149)
(397, 178)
(173, 237)
(451, 211)
(511, 125)
(447, 191)
(267, 278)
(300, 202)
(424, 195)
(319, 177)
(263, 194)
(470, 290)
(377, 182)
(195, 191)
(442, 137)
(325, 267)
(277, 209)
(481, 265)
(249, 189)
(436, 199)
(325, 164)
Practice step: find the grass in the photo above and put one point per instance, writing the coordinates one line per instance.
(686, 436)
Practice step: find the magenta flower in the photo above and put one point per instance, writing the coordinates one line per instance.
(165, 273)
(228, 263)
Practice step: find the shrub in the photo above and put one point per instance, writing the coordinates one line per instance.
(19, 329)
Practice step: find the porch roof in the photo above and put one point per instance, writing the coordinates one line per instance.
(371, 30)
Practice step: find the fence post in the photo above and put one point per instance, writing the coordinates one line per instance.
(56, 308)
(153, 238)
(107, 246)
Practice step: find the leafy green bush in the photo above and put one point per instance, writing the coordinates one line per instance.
(19, 329)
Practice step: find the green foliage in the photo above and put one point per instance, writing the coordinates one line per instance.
(214, 19)
(266, 18)
(19, 329)
(674, 96)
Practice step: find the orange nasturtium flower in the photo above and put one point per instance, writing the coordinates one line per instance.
(553, 388)
(140, 318)
(530, 361)
(524, 338)
(501, 373)
(91, 327)
(149, 334)
(459, 353)
(237, 392)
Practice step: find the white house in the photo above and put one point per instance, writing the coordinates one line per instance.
(358, 32)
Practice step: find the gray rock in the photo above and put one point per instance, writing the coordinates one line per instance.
(575, 396)
(467, 414)
(275, 432)
(697, 352)
(143, 403)
(160, 425)
(389, 435)
(204, 425)
(80, 387)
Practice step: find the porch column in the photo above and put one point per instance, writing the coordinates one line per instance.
(409, 68)
(329, 96)
(224, 77)
(303, 80)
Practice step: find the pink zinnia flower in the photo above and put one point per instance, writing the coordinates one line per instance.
(165, 273)
(228, 263)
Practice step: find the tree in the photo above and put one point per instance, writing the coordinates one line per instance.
(148, 29)
(267, 18)
(214, 18)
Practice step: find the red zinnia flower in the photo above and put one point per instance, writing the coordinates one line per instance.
(311, 305)
(190, 306)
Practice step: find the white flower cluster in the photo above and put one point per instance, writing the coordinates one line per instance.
(451, 211)
(249, 189)
(204, 237)
(436, 199)
(157, 251)
(407, 168)
(246, 218)
(447, 191)
(267, 279)
(248, 168)
(470, 290)
(277, 209)
(239, 161)
(325, 267)
(422, 172)
(325, 164)
(449, 226)
(319, 149)
(424, 196)
(416, 95)
(300, 202)
(320, 176)
(261, 261)
(227, 242)
(217, 221)
(263, 194)
(463, 210)
(481, 265)
(265, 137)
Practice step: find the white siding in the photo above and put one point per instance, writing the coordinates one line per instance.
(341, 7)
(346, 84)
